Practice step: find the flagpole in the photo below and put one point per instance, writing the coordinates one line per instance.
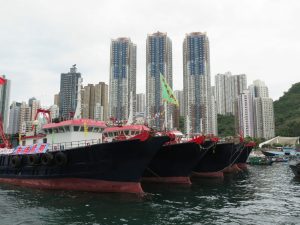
(165, 106)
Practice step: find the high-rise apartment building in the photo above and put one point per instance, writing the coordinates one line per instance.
(122, 80)
(196, 83)
(140, 103)
(56, 99)
(158, 61)
(34, 104)
(244, 115)
(179, 96)
(260, 89)
(264, 118)
(25, 124)
(228, 88)
(94, 101)
(54, 111)
(263, 110)
(4, 102)
(14, 118)
(69, 92)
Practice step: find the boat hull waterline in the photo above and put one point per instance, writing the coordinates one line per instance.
(173, 163)
(107, 167)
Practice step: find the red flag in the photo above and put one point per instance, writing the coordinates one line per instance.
(2, 81)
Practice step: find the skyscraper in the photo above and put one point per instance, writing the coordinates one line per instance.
(179, 96)
(196, 83)
(25, 118)
(14, 118)
(228, 88)
(95, 101)
(68, 92)
(158, 61)
(56, 99)
(244, 116)
(34, 104)
(264, 118)
(264, 125)
(122, 80)
(140, 103)
(4, 102)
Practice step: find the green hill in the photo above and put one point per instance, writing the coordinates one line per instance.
(226, 125)
(287, 112)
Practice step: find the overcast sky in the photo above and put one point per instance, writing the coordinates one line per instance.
(40, 39)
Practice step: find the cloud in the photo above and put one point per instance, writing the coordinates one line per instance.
(41, 39)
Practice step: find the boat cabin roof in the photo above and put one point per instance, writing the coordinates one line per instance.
(76, 122)
(127, 127)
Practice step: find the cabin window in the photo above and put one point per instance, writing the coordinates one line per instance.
(101, 130)
(110, 134)
(105, 134)
(126, 132)
(132, 132)
(81, 129)
(34, 141)
(50, 131)
(23, 143)
(44, 140)
(61, 130)
(76, 128)
(90, 129)
(115, 133)
(55, 130)
(67, 128)
(96, 129)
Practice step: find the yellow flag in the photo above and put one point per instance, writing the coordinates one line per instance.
(20, 139)
(85, 129)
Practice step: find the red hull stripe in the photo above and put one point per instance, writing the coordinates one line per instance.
(77, 184)
(232, 169)
(242, 166)
(208, 174)
(173, 180)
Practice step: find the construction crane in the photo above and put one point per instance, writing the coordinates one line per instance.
(45, 113)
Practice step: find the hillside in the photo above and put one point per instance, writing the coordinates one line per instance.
(287, 112)
(226, 125)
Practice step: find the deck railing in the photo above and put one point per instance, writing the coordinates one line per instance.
(73, 144)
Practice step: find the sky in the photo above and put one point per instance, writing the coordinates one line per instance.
(40, 39)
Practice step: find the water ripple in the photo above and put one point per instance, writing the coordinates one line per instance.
(264, 195)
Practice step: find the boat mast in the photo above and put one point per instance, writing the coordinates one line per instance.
(130, 117)
(188, 126)
(165, 109)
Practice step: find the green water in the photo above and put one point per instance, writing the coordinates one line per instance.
(264, 195)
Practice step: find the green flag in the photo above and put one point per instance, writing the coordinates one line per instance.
(167, 93)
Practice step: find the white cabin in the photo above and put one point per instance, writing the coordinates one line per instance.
(68, 134)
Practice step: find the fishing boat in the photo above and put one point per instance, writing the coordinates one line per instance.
(246, 150)
(215, 161)
(78, 160)
(174, 161)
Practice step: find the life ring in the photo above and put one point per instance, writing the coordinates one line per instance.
(47, 159)
(61, 159)
(16, 161)
(34, 159)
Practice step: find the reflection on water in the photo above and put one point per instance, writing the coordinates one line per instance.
(263, 195)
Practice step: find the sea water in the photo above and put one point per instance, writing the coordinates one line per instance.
(263, 195)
